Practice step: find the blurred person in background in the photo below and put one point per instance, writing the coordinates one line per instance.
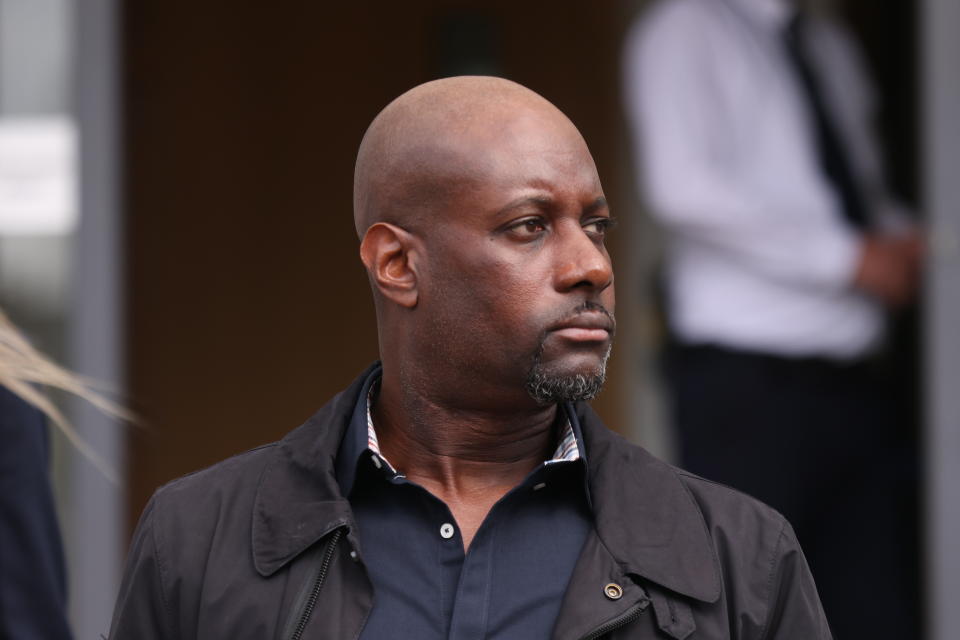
(32, 574)
(785, 253)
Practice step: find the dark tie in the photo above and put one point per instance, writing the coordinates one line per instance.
(833, 157)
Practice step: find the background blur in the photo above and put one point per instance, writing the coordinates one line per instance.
(175, 219)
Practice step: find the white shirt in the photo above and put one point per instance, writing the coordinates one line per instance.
(760, 256)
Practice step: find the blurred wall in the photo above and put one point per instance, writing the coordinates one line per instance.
(248, 306)
(941, 100)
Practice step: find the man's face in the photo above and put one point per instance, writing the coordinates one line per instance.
(519, 286)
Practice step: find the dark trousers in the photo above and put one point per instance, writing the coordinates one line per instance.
(825, 445)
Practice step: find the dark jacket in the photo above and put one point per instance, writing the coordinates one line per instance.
(262, 544)
(32, 577)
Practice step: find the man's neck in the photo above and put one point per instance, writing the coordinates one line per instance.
(469, 459)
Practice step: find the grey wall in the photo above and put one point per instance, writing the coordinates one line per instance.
(37, 31)
(941, 82)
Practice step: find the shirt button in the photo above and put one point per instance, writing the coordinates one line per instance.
(446, 530)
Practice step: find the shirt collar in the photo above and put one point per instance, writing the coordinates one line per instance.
(356, 439)
(361, 438)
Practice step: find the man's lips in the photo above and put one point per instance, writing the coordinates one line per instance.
(585, 327)
(582, 334)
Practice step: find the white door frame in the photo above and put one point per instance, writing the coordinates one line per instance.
(940, 23)
(97, 541)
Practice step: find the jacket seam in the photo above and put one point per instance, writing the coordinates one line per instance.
(363, 623)
(692, 476)
(773, 564)
(366, 616)
(161, 570)
(715, 582)
(621, 565)
(254, 514)
(243, 454)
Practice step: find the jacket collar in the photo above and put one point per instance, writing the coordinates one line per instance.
(298, 500)
(644, 514)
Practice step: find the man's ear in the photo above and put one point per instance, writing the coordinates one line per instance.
(386, 251)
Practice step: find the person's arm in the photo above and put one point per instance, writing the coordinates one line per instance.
(794, 611)
(143, 611)
(32, 576)
(890, 258)
(854, 94)
(680, 102)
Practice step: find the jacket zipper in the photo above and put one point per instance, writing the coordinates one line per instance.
(616, 623)
(317, 585)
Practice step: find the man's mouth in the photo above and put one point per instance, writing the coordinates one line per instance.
(581, 334)
(587, 326)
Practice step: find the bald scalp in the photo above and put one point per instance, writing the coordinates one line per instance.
(422, 147)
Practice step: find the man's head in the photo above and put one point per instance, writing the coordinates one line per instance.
(482, 222)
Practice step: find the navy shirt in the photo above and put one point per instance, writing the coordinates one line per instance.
(510, 583)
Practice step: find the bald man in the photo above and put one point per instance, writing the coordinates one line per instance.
(461, 487)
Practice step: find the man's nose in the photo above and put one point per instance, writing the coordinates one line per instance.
(582, 262)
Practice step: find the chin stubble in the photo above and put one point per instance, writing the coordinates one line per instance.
(550, 388)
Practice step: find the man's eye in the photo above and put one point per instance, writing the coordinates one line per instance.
(599, 226)
(529, 227)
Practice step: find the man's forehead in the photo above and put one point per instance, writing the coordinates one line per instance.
(460, 133)
(506, 147)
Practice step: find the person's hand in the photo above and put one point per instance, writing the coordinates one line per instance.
(889, 267)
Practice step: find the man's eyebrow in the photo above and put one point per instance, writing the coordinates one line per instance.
(545, 201)
(593, 207)
(539, 201)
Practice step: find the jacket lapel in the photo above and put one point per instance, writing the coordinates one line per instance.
(646, 517)
(299, 501)
(586, 604)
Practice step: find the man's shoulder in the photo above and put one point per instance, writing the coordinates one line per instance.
(729, 551)
(228, 483)
(725, 510)
(305, 451)
(725, 506)
(742, 533)
(226, 473)
(706, 523)
(277, 482)
(720, 505)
